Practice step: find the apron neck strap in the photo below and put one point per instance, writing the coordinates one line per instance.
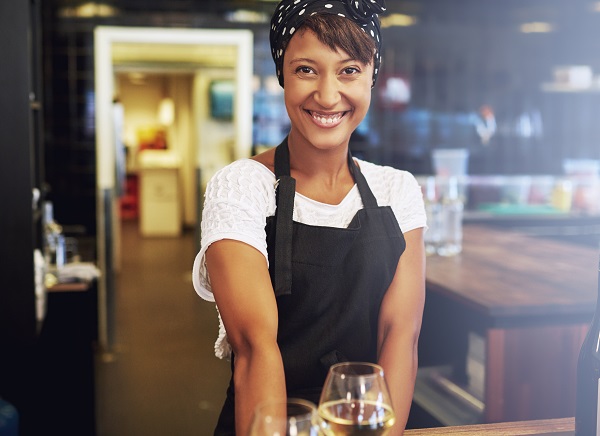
(368, 199)
(282, 168)
(286, 190)
(282, 159)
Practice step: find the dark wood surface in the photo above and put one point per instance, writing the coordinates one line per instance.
(70, 287)
(555, 427)
(507, 274)
(530, 299)
(531, 372)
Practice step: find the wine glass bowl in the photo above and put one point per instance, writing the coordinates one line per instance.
(291, 417)
(355, 400)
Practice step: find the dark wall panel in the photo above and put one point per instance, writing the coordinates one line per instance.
(17, 304)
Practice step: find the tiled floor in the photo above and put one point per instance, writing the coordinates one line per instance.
(162, 377)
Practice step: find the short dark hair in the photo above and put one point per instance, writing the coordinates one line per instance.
(341, 33)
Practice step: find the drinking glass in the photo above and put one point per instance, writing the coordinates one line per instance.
(294, 417)
(355, 400)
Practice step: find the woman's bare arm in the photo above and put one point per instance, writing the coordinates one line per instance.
(399, 326)
(243, 292)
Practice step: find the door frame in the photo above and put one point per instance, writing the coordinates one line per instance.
(106, 200)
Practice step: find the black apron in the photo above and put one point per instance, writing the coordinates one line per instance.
(329, 284)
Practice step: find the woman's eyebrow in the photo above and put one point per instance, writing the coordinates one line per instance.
(311, 61)
(302, 60)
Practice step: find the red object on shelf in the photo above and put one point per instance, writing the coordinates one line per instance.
(129, 202)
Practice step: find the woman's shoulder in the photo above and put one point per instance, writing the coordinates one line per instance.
(386, 177)
(242, 173)
(244, 181)
(244, 167)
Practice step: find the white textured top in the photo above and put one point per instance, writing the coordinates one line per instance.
(241, 196)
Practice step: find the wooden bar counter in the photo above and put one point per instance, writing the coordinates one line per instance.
(550, 427)
(512, 311)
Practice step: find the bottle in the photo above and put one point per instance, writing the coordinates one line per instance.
(452, 210)
(587, 418)
(435, 217)
(54, 245)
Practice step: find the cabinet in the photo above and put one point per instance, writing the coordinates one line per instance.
(65, 376)
(159, 193)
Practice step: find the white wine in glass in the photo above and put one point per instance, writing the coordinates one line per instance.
(294, 417)
(356, 401)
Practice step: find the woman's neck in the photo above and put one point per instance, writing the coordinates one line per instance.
(321, 174)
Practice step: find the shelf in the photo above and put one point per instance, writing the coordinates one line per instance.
(563, 88)
(444, 400)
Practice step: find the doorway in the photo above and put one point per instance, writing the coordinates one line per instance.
(187, 63)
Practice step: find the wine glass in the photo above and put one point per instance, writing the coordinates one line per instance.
(291, 417)
(355, 400)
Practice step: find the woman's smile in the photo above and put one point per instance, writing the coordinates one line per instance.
(327, 120)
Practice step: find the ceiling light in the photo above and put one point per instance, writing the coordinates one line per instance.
(246, 16)
(89, 10)
(136, 78)
(537, 27)
(398, 20)
(166, 111)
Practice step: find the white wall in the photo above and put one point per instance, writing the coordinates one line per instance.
(182, 138)
(215, 138)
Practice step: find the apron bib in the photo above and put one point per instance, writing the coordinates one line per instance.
(329, 284)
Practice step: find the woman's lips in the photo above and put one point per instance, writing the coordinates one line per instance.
(327, 120)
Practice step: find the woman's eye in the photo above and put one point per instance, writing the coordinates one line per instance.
(304, 70)
(351, 70)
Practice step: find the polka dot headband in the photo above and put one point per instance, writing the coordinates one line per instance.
(289, 15)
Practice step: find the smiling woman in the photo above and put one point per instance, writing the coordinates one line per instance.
(314, 257)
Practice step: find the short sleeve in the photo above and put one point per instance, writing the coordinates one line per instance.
(399, 190)
(237, 201)
(408, 205)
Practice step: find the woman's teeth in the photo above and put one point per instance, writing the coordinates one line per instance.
(327, 119)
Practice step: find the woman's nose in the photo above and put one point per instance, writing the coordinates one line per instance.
(327, 93)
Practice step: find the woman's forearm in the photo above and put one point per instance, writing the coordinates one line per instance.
(400, 362)
(258, 376)
(241, 284)
(400, 325)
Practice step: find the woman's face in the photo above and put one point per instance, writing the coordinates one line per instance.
(327, 94)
